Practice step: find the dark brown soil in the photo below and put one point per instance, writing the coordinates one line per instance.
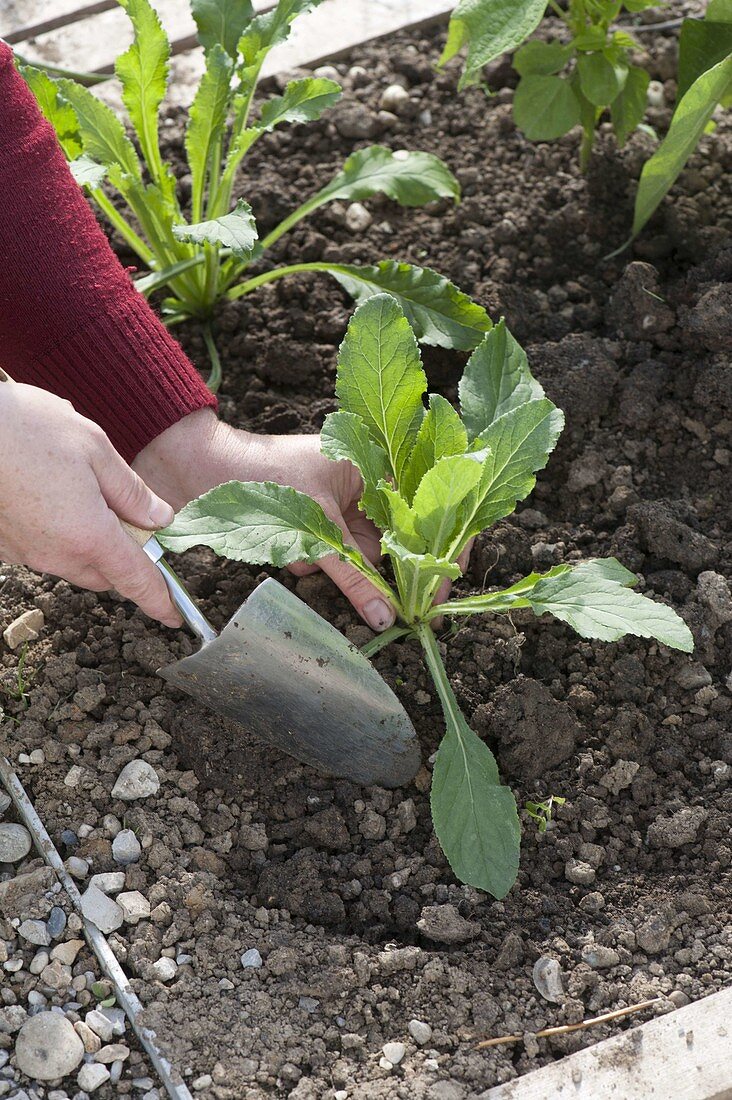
(338, 887)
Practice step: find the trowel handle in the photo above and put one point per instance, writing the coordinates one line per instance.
(190, 611)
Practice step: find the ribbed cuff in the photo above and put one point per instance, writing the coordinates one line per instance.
(136, 380)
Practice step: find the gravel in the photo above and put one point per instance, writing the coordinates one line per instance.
(15, 842)
(138, 779)
(47, 1047)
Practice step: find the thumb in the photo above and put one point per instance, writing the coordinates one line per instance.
(126, 493)
(365, 597)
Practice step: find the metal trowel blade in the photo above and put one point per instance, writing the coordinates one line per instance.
(291, 679)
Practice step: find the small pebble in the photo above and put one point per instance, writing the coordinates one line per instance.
(36, 932)
(394, 1052)
(164, 969)
(138, 779)
(547, 978)
(109, 882)
(39, 962)
(203, 1082)
(358, 219)
(134, 906)
(77, 867)
(15, 842)
(56, 923)
(600, 957)
(126, 847)
(420, 1032)
(115, 1052)
(100, 1024)
(91, 1076)
(25, 628)
(394, 98)
(101, 910)
(251, 958)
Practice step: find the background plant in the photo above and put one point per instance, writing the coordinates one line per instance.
(566, 82)
(206, 258)
(434, 479)
(704, 82)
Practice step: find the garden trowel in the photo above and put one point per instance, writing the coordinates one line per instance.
(291, 679)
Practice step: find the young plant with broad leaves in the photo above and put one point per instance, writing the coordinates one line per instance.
(433, 479)
(568, 81)
(206, 258)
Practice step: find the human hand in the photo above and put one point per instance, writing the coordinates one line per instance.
(200, 452)
(62, 489)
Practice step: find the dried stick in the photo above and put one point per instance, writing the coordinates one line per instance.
(176, 1089)
(564, 1029)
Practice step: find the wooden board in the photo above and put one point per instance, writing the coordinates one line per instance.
(92, 43)
(684, 1055)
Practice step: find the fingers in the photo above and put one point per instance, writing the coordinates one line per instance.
(365, 597)
(443, 592)
(127, 494)
(130, 571)
(302, 569)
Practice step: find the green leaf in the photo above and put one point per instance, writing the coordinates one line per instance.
(410, 178)
(520, 443)
(440, 434)
(380, 377)
(702, 44)
(629, 106)
(54, 109)
(519, 594)
(87, 172)
(437, 311)
(475, 816)
(400, 520)
(270, 29)
(545, 107)
(236, 230)
(599, 79)
(490, 28)
(303, 101)
(591, 38)
(143, 73)
(496, 380)
(221, 22)
(345, 436)
(257, 522)
(102, 134)
(687, 126)
(541, 58)
(425, 566)
(719, 11)
(207, 119)
(597, 607)
(438, 504)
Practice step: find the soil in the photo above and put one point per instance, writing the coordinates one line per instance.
(344, 891)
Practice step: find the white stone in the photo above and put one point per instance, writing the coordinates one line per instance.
(39, 962)
(109, 882)
(92, 1042)
(77, 867)
(655, 94)
(134, 906)
(35, 931)
(91, 1076)
(101, 910)
(15, 842)
(358, 218)
(251, 959)
(420, 1032)
(116, 1052)
(394, 1052)
(126, 847)
(327, 72)
(73, 775)
(138, 779)
(47, 1047)
(100, 1024)
(165, 969)
(25, 628)
(67, 951)
(394, 98)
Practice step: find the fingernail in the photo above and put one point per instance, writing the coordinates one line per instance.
(378, 614)
(161, 514)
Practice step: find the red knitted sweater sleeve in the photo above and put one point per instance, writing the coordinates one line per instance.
(70, 319)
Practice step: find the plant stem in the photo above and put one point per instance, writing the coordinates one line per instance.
(453, 714)
(381, 640)
(87, 79)
(588, 140)
(214, 378)
(276, 273)
(123, 227)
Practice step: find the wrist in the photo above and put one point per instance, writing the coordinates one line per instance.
(192, 456)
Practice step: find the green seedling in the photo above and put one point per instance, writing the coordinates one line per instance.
(433, 479)
(541, 812)
(19, 691)
(202, 256)
(566, 82)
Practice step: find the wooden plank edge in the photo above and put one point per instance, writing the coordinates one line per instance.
(23, 34)
(685, 1054)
